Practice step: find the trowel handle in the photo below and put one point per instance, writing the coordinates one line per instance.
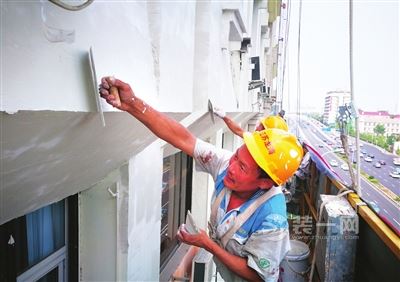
(114, 92)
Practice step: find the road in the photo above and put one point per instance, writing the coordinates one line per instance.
(383, 206)
(382, 173)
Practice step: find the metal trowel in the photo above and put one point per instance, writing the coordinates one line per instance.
(95, 86)
(211, 110)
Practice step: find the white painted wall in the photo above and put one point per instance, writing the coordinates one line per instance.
(119, 238)
(145, 175)
(146, 44)
(98, 231)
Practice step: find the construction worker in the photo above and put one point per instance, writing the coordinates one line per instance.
(266, 122)
(245, 199)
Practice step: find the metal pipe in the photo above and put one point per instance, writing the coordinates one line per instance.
(355, 110)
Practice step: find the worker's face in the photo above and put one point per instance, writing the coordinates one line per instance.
(243, 173)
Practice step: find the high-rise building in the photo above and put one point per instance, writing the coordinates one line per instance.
(333, 100)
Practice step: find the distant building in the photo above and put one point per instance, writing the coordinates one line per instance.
(333, 100)
(368, 121)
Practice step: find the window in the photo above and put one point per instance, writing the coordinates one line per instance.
(175, 201)
(34, 247)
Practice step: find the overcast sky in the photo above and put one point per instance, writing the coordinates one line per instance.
(324, 59)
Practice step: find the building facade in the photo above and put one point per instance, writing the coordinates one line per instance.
(107, 195)
(369, 120)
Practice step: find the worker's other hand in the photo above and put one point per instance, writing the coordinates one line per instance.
(125, 92)
(199, 239)
(219, 112)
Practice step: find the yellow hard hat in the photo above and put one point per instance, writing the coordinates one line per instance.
(276, 151)
(274, 122)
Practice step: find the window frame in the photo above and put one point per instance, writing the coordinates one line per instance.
(179, 203)
(57, 259)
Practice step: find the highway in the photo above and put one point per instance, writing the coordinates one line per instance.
(382, 173)
(386, 208)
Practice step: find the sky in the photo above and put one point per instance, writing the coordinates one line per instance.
(324, 54)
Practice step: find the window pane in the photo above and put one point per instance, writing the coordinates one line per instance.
(167, 188)
(175, 200)
(52, 276)
(45, 232)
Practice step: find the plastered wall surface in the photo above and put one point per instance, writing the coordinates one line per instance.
(98, 231)
(145, 175)
(175, 55)
(47, 156)
(45, 50)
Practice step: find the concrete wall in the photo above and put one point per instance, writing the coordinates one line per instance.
(145, 175)
(170, 52)
(45, 48)
(175, 55)
(98, 231)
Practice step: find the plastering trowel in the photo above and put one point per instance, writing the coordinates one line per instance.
(95, 87)
(211, 110)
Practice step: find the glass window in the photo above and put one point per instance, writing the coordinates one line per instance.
(52, 276)
(45, 232)
(176, 194)
(34, 245)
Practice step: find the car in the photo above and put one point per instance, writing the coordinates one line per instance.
(374, 206)
(364, 152)
(368, 159)
(339, 150)
(396, 161)
(377, 164)
(321, 145)
(395, 174)
(371, 156)
(382, 162)
(333, 163)
(344, 166)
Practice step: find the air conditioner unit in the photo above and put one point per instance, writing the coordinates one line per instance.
(202, 266)
(336, 243)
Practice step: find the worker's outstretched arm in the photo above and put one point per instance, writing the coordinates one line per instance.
(160, 124)
(233, 126)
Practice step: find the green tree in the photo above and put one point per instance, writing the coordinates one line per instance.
(391, 139)
(317, 116)
(350, 129)
(379, 129)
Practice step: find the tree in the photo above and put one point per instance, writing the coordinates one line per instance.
(350, 128)
(391, 139)
(379, 129)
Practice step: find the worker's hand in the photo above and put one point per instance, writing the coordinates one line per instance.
(219, 112)
(126, 95)
(199, 239)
